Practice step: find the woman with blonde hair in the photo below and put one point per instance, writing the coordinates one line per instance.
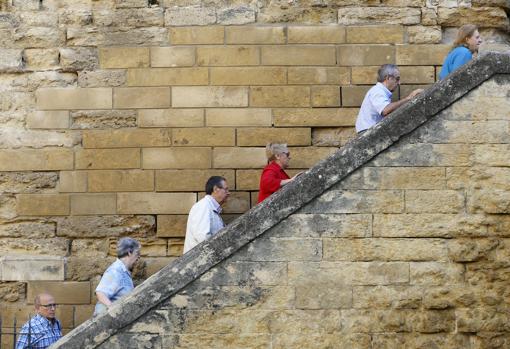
(465, 46)
(273, 175)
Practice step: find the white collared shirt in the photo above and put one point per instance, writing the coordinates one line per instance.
(370, 113)
(204, 221)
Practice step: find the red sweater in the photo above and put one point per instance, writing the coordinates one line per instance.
(270, 180)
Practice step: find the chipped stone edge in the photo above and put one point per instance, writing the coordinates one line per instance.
(178, 274)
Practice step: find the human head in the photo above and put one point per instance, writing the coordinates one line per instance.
(469, 37)
(45, 305)
(389, 76)
(128, 250)
(217, 187)
(279, 153)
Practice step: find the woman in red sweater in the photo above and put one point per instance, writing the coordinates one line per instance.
(273, 175)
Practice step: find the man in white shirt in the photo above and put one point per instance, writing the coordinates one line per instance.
(204, 218)
(377, 102)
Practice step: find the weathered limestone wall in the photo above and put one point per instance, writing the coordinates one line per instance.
(113, 113)
(409, 251)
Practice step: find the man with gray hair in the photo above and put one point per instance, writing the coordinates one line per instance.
(116, 281)
(377, 103)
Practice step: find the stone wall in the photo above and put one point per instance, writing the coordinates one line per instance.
(114, 112)
(409, 250)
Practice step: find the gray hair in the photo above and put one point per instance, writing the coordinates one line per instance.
(126, 246)
(273, 149)
(386, 70)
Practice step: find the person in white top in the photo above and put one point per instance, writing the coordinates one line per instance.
(204, 219)
(377, 103)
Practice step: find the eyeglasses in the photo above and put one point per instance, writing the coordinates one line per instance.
(395, 77)
(47, 306)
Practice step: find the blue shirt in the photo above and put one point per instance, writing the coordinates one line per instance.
(40, 332)
(204, 221)
(370, 113)
(115, 283)
(455, 59)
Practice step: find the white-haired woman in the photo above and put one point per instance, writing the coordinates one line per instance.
(116, 281)
(273, 175)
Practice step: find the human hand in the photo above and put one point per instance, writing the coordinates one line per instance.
(414, 93)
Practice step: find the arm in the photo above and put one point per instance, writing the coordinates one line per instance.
(395, 105)
(199, 222)
(103, 298)
(286, 181)
(460, 59)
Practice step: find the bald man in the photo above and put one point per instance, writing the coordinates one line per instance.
(43, 329)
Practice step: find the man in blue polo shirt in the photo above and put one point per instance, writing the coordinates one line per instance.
(377, 103)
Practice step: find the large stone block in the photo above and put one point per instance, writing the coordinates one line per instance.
(281, 249)
(378, 15)
(73, 98)
(409, 75)
(80, 58)
(190, 15)
(240, 14)
(141, 17)
(171, 118)
(396, 178)
(203, 136)
(97, 227)
(12, 60)
(298, 55)
(491, 154)
(127, 138)
(360, 201)
(352, 96)
(424, 35)
(316, 34)
(305, 157)
(400, 297)
(141, 97)
(332, 137)
(325, 96)
(46, 159)
(42, 204)
(429, 225)
(384, 249)
(494, 201)
(31, 268)
(102, 119)
(421, 54)
(338, 274)
(280, 96)
(114, 181)
(491, 17)
(205, 96)
(228, 56)
(244, 117)
(176, 158)
(189, 180)
(261, 136)
(97, 159)
(48, 119)
(171, 225)
(197, 35)
(435, 201)
(313, 15)
(102, 78)
(248, 76)
(254, 35)
(436, 273)
(41, 59)
(72, 182)
(155, 203)
(319, 117)
(167, 76)
(239, 157)
(393, 34)
(67, 292)
(325, 225)
(172, 56)
(319, 75)
(93, 204)
(354, 55)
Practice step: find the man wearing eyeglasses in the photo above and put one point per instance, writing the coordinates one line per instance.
(204, 219)
(43, 329)
(377, 103)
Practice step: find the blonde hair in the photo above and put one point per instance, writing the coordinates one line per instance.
(465, 32)
(273, 149)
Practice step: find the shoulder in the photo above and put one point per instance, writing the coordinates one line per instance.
(461, 51)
